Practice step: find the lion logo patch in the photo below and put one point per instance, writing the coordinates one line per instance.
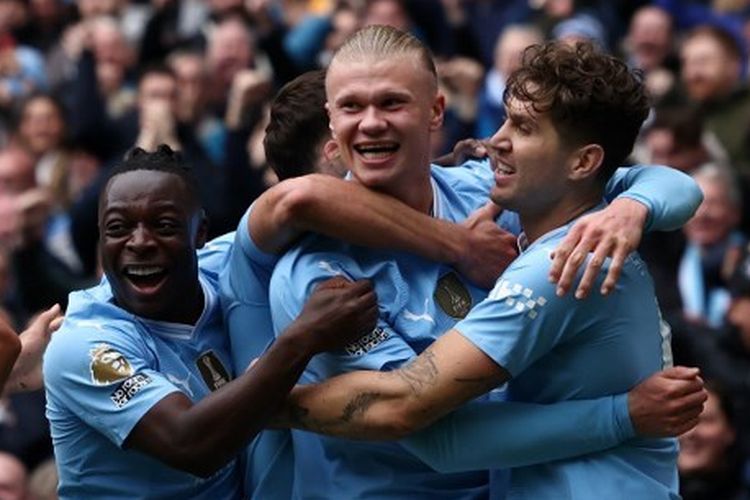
(108, 365)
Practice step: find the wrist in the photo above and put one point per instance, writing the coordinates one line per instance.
(457, 247)
(633, 209)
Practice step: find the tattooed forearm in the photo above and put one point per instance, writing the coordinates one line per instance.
(484, 384)
(420, 373)
(359, 405)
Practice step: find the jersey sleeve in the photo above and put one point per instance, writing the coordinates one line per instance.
(498, 434)
(381, 349)
(522, 319)
(105, 376)
(671, 196)
(244, 297)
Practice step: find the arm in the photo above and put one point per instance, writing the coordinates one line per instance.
(27, 372)
(350, 212)
(10, 348)
(650, 198)
(391, 405)
(200, 438)
(496, 434)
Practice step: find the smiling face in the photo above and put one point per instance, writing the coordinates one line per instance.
(531, 163)
(382, 115)
(150, 228)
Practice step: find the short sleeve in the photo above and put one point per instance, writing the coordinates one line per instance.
(522, 319)
(105, 376)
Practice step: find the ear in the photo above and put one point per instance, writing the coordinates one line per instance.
(330, 150)
(586, 162)
(330, 125)
(201, 234)
(437, 112)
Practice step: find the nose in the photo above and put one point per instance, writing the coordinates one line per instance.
(500, 140)
(372, 121)
(140, 239)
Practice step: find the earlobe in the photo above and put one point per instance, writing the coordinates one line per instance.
(330, 150)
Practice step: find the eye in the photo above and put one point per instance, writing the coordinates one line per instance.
(392, 103)
(167, 227)
(350, 106)
(115, 229)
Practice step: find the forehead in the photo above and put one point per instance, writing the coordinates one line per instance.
(146, 190)
(403, 72)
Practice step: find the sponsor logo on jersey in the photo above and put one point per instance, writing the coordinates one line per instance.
(367, 342)
(452, 296)
(213, 372)
(108, 365)
(129, 388)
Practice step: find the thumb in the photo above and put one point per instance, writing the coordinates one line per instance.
(489, 211)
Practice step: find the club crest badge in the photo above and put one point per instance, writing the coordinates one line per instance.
(213, 372)
(452, 296)
(108, 365)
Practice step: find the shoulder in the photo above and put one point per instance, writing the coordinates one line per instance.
(214, 255)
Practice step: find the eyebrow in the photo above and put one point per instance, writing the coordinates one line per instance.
(521, 119)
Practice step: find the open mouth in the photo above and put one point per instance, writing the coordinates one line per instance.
(377, 151)
(503, 169)
(145, 278)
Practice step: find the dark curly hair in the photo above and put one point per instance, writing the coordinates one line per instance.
(590, 97)
(163, 159)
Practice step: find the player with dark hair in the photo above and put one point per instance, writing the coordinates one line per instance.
(140, 394)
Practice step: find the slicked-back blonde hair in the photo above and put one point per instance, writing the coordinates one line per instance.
(382, 42)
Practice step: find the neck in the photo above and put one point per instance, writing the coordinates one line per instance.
(415, 191)
(536, 224)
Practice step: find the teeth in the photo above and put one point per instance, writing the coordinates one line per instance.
(144, 270)
(376, 150)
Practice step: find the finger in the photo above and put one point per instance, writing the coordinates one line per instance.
(572, 264)
(615, 269)
(335, 282)
(55, 324)
(683, 428)
(561, 254)
(680, 372)
(50, 314)
(593, 268)
(682, 388)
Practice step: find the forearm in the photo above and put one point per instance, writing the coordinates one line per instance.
(671, 196)
(489, 435)
(391, 405)
(10, 348)
(203, 437)
(347, 211)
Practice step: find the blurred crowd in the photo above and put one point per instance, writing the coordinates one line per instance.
(82, 81)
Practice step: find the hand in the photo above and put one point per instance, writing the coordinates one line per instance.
(613, 232)
(467, 149)
(668, 403)
(338, 312)
(27, 372)
(249, 87)
(489, 250)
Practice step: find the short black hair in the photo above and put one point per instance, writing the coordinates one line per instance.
(163, 159)
(298, 125)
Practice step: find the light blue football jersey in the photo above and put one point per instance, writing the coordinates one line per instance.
(418, 301)
(106, 368)
(559, 349)
(268, 462)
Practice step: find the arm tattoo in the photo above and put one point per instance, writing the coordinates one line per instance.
(422, 372)
(359, 405)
